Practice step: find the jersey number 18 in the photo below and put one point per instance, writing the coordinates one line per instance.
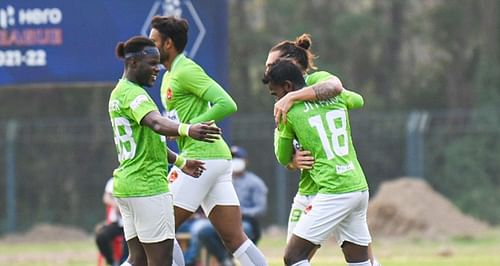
(338, 145)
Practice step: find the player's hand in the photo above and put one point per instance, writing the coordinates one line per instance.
(302, 160)
(194, 168)
(206, 131)
(281, 108)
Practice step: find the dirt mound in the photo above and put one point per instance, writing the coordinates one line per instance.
(410, 207)
(47, 233)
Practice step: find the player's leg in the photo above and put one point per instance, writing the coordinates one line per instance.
(211, 241)
(137, 255)
(154, 222)
(189, 191)
(160, 253)
(299, 206)
(352, 233)
(222, 206)
(297, 251)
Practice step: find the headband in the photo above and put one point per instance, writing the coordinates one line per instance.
(148, 50)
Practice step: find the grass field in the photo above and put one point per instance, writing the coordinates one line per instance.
(480, 251)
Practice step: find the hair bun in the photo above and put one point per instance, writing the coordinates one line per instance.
(120, 50)
(304, 41)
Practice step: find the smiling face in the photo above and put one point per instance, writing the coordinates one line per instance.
(146, 69)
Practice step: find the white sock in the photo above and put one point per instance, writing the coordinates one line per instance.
(177, 255)
(125, 263)
(365, 263)
(249, 255)
(302, 263)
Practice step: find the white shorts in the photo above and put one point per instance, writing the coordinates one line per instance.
(151, 219)
(214, 187)
(299, 205)
(340, 215)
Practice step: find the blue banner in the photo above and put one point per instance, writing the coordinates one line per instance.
(74, 41)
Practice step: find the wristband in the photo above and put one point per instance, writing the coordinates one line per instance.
(183, 130)
(180, 162)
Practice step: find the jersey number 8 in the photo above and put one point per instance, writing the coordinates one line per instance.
(125, 144)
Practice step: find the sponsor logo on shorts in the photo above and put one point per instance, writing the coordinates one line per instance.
(308, 208)
(169, 94)
(173, 176)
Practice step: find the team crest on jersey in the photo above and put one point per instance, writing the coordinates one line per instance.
(173, 176)
(169, 94)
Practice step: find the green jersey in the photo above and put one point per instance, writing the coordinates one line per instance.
(141, 152)
(306, 184)
(186, 93)
(322, 127)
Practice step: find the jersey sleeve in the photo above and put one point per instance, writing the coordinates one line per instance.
(222, 104)
(317, 76)
(194, 79)
(140, 104)
(353, 100)
(283, 143)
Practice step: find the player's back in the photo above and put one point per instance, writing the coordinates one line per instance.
(323, 128)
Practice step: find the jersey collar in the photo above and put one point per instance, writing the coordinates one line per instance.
(178, 58)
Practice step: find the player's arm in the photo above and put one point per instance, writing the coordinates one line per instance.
(222, 104)
(191, 167)
(283, 146)
(353, 99)
(168, 127)
(323, 90)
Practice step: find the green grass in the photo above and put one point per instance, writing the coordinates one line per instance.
(456, 252)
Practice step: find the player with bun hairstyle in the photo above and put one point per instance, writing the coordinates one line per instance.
(320, 85)
(140, 182)
(340, 205)
(190, 95)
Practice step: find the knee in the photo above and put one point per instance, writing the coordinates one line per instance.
(354, 253)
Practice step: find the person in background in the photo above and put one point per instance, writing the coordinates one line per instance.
(113, 228)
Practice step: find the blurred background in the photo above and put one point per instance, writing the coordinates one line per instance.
(429, 71)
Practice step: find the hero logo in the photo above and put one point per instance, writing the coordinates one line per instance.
(174, 8)
(29, 16)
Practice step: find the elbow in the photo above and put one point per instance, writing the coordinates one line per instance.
(156, 125)
(361, 101)
(232, 107)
